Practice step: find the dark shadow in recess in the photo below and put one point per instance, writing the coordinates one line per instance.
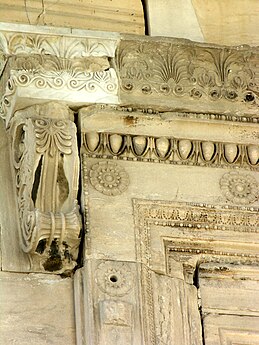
(146, 20)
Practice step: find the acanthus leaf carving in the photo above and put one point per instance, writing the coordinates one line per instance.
(46, 171)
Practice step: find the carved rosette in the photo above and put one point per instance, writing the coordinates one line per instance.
(239, 188)
(46, 166)
(109, 178)
(114, 278)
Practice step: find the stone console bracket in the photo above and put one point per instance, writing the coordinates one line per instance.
(46, 169)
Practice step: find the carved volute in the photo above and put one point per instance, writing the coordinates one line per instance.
(46, 168)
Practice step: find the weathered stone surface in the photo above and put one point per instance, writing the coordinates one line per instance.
(169, 192)
(178, 74)
(169, 184)
(216, 21)
(228, 329)
(232, 22)
(178, 319)
(229, 289)
(184, 24)
(113, 15)
(107, 303)
(36, 309)
(13, 258)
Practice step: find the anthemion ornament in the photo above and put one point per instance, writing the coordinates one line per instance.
(109, 178)
(239, 188)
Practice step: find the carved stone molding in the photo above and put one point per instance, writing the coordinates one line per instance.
(184, 232)
(171, 150)
(196, 73)
(154, 73)
(77, 69)
(232, 117)
(44, 148)
(59, 45)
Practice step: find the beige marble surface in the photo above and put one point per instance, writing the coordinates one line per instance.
(112, 15)
(36, 309)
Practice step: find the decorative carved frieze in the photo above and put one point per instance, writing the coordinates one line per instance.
(202, 216)
(63, 46)
(46, 164)
(154, 73)
(171, 150)
(176, 69)
(77, 69)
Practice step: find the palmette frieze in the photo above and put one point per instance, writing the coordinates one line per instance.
(58, 45)
(171, 150)
(172, 70)
(188, 70)
(79, 68)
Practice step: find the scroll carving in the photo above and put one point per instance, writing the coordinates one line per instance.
(56, 62)
(46, 164)
(171, 150)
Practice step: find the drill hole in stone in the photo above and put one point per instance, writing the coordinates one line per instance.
(113, 279)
